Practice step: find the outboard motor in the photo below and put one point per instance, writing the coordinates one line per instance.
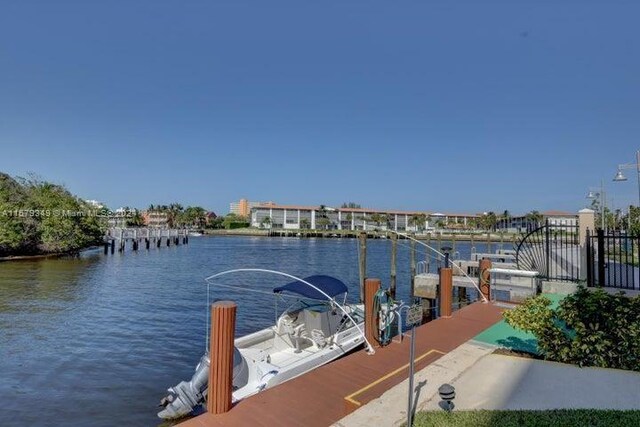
(184, 397)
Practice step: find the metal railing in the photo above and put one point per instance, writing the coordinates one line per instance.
(552, 250)
(613, 259)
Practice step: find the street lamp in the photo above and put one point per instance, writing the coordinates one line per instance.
(595, 194)
(620, 176)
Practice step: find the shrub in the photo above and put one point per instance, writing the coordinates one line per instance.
(589, 328)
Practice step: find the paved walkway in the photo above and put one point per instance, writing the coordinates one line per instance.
(390, 409)
(507, 382)
(325, 395)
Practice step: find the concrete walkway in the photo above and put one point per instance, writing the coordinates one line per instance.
(507, 382)
(390, 409)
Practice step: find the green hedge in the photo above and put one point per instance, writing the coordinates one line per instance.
(589, 328)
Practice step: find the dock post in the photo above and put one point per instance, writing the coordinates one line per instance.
(158, 241)
(412, 267)
(371, 286)
(485, 278)
(362, 263)
(446, 291)
(394, 256)
(106, 248)
(147, 242)
(113, 246)
(223, 325)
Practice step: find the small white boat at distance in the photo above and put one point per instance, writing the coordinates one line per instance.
(311, 332)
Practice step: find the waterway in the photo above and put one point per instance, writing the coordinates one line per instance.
(96, 339)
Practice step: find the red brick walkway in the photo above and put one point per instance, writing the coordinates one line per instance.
(327, 394)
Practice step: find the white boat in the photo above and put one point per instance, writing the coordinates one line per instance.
(195, 234)
(313, 331)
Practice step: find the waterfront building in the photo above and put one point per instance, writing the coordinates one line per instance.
(271, 215)
(155, 219)
(525, 223)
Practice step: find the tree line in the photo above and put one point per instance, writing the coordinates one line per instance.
(38, 217)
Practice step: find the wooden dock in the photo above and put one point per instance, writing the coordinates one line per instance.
(329, 393)
(150, 237)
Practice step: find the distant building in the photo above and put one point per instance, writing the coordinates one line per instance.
(243, 207)
(95, 204)
(271, 215)
(119, 218)
(524, 224)
(209, 217)
(155, 219)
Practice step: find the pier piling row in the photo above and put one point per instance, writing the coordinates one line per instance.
(121, 236)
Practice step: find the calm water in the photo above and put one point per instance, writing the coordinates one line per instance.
(96, 340)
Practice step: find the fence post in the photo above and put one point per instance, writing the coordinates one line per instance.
(601, 263)
(371, 286)
(547, 248)
(485, 278)
(223, 324)
(586, 221)
(446, 291)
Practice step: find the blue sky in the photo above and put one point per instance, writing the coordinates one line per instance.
(446, 106)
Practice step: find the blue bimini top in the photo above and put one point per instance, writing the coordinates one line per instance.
(329, 285)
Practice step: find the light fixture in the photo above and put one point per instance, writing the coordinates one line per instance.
(592, 195)
(619, 176)
(447, 393)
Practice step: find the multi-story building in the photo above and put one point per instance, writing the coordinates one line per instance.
(525, 223)
(243, 207)
(271, 215)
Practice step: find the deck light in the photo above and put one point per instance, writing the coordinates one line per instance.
(447, 393)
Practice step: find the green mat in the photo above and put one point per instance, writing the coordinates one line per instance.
(503, 335)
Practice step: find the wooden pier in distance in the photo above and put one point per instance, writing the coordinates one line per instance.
(329, 393)
(150, 237)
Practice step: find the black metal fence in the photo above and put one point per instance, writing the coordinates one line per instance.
(613, 259)
(552, 250)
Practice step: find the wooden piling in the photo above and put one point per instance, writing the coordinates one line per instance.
(106, 248)
(113, 246)
(223, 324)
(147, 243)
(485, 277)
(158, 242)
(371, 286)
(394, 255)
(446, 292)
(362, 264)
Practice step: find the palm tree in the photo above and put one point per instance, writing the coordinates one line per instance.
(304, 223)
(418, 221)
(534, 218)
(266, 221)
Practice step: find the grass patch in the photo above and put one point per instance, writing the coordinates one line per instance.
(552, 418)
